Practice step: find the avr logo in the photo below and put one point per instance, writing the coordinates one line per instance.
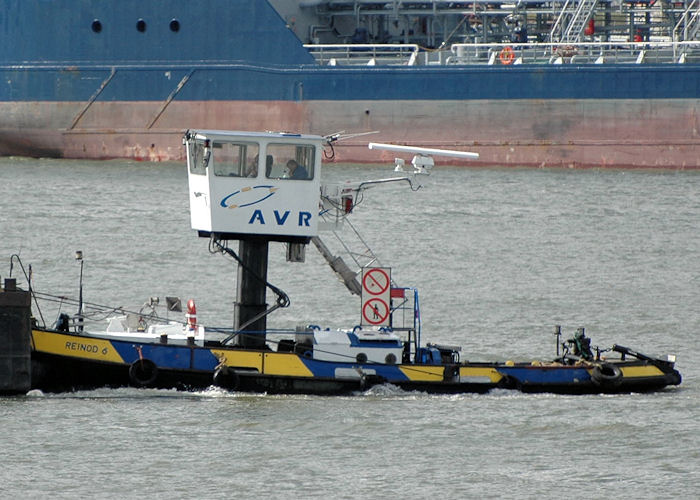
(252, 195)
(248, 196)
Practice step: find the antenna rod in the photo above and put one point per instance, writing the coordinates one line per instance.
(79, 258)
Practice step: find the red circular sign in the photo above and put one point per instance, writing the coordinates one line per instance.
(375, 311)
(376, 281)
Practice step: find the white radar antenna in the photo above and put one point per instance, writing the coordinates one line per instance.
(423, 160)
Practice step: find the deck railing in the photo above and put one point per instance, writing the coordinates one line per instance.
(364, 54)
(658, 52)
(666, 52)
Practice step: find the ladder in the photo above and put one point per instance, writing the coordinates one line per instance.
(572, 20)
(357, 250)
(688, 24)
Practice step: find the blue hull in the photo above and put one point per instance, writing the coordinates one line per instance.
(250, 82)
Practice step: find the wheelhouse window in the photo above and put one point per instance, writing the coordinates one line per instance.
(236, 159)
(290, 161)
(198, 154)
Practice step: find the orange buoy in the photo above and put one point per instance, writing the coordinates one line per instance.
(506, 56)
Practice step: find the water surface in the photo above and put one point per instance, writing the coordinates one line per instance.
(499, 255)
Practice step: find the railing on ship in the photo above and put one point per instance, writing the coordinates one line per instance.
(575, 53)
(365, 54)
(658, 52)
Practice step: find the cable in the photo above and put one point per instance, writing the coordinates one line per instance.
(282, 297)
(329, 156)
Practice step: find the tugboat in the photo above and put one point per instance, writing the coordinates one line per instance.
(262, 188)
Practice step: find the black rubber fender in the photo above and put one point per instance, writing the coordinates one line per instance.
(606, 375)
(674, 378)
(143, 372)
(226, 378)
(509, 382)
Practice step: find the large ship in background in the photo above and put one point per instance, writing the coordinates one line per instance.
(530, 83)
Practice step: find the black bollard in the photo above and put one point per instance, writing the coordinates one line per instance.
(15, 339)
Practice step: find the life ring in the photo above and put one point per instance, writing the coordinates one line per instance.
(143, 372)
(606, 375)
(191, 315)
(506, 56)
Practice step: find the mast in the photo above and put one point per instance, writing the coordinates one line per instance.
(251, 305)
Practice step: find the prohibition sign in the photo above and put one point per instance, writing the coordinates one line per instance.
(375, 311)
(376, 281)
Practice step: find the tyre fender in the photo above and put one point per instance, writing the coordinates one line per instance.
(226, 378)
(606, 375)
(143, 372)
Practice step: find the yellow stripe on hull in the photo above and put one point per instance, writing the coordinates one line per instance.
(481, 373)
(76, 347)
(287, 364)
(240, 359)
(640, 371)
(424, 373)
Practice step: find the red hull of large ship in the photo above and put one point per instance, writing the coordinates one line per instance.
(653, 133)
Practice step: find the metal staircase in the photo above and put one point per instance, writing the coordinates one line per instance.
(688, 24)
(572, 19)
(353, 247)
